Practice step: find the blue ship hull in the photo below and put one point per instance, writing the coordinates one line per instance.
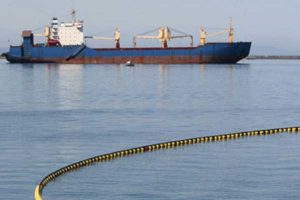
(208, 53)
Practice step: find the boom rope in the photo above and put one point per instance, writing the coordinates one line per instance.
(179, 32)
(153, 147)
(150, 31)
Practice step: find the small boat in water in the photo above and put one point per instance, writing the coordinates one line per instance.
(129, 64)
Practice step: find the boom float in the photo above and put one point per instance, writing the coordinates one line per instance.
(153, 147)
(66, 43)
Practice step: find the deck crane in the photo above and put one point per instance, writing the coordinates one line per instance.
(164, 35)
(116, 38)
(204, 34)
(50, 38)
(45, 34)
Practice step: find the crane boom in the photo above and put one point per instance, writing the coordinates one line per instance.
(39, 35)
(230, 31)
(184, 36)
(146, 37)
(217, 33)
(99, 38)
(116, 38)
(181, 36)
(164, 35)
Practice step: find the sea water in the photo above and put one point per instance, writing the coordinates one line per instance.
(53, 115)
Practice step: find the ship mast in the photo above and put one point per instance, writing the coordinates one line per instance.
(229, 30)
(202, 36)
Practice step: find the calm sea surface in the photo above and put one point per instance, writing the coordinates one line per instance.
(53, 115)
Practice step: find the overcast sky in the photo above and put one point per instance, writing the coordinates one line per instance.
(272, 25)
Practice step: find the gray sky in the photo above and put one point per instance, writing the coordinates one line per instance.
(272, 25)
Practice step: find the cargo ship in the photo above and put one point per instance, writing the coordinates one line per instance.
(66, 43)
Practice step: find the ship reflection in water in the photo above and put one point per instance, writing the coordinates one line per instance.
(65, 84)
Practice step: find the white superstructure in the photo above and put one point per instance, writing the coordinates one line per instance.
(67, 34)
(54, 29)
(71, 33)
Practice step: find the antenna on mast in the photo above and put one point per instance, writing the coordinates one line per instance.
(230, 22)
(73, 14)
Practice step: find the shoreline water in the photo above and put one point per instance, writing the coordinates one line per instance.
(255, 57)
(272, 57)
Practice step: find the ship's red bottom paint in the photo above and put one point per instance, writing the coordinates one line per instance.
(139, 60)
